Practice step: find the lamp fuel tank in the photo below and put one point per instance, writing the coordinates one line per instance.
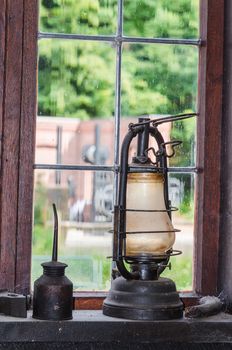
(53, 291)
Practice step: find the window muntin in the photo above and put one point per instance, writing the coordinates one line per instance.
(119, 41)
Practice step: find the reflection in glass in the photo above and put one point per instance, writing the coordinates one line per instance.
(161, 18)
(78, 17)
(84, 203)
(76, 79)
(158, 79)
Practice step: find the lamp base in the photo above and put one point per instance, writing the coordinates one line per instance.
(143, 300)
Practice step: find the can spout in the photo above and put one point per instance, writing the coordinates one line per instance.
(55, 236)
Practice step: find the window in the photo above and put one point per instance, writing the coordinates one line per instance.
(18, 130)
(102, 71)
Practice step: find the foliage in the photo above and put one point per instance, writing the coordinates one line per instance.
(42, 240)
(163, 18)
(41, 203)
(42, 235)
(95, 272)
(77, 78)
(185, 156)
(181, 272)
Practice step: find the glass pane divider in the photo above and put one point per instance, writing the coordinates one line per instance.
(119, 38)
(114, 168)
(74, 167)
(117, 108)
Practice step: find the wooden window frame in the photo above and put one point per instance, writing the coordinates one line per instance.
(18, 85)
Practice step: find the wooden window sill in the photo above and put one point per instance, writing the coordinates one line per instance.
(94, 300)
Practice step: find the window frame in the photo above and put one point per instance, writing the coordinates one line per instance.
(18, 75)
(18, 84)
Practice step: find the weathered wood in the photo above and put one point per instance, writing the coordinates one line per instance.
(27, 146)
(88, 300)
(207, 198)
(2, 62)
(17, 127)
(94, 300)
(225, 256)
(10, 135)
(93, 327)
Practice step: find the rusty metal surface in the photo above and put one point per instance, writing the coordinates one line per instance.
(146, 299)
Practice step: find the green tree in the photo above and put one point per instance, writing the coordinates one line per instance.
(77, 78)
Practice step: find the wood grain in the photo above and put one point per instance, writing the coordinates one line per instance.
(27, 146)
(94, 300)
(225, 256)
(209, 147)
(10, 148)
(2, 62)
(18, 63)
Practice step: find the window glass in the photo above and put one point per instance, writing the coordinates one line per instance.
(185, 153)
(161, 18)
(76, 79)
(181, 194)
(158, 79)
(76, 84)
(77, 96)
(84, 204)
(74, 141)
(184, 131)
(78, 17)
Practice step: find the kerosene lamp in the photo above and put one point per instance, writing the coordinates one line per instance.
(143, 231)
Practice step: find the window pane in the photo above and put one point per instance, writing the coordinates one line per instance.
(84, 203)
(181, 194)
(76, 79)
(161, 18)
(158, 79)
(79, 17)
(184, 131)
(73, 141)
(76, 83)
